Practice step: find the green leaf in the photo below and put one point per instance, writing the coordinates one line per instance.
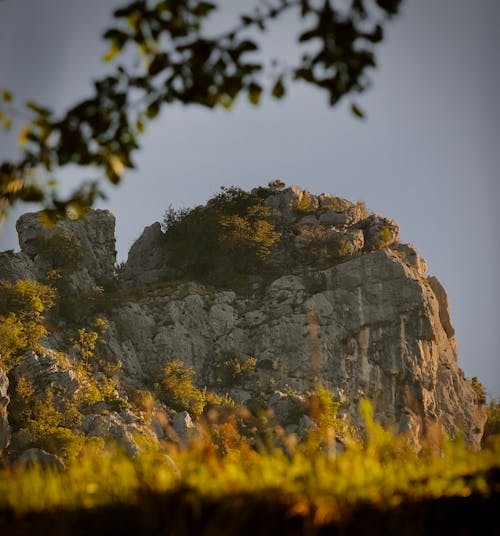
(357, 111)
(6, 95)
(159, 63)
(139, 5)
(278, 90)
(254, 93)
(5, 121)
(153, 110)
(247, 46)
(38, 109)
(117, 36)
(114, 49)
(226, 101)
(23, 137)
(140, 126)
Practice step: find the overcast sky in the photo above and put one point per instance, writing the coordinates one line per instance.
(428, 154)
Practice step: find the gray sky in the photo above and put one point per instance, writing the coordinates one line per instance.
(428, 155)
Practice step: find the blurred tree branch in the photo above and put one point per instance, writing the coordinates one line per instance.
(179, 62)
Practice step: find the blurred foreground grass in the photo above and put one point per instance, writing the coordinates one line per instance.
(214, 487)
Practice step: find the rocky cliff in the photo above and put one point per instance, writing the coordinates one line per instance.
(339, 301)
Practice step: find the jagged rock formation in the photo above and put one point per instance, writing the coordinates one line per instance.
(147, 258)
(84, 249)
(94, 234)
(46, 373)
(345, 304)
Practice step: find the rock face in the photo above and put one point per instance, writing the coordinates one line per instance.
(147, 258)
(45, 373)
(371, 324)
(368, 327)
(83, 249)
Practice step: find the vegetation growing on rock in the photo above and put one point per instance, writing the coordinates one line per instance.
(241, 233)
(308, 486)
(22, 308)
(175, 388)
(231, 234)
(272, 377)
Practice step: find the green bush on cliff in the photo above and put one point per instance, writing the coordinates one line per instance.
(22, 321)
(175, 388)
(44, 423)
(492, 426)
(233, 233)
(319, 245)
(26, 298)
(233, 369)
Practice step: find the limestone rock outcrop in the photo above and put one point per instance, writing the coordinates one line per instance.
(45, 372)
(14, 266)
(147, 259)
(364, 318)
(368, 327)
(84, 249)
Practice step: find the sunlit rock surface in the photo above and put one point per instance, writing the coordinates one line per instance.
(371, 325)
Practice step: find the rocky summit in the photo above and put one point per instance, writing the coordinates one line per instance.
(333, 298)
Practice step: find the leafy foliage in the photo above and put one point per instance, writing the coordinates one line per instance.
(26, 298)
(43, 424)
(385, 236)
(100, 376)
(179, 61)
(233, 369)
(479, 389)
(232, 233)
(22, 324)
(320, 245)
(86, 341)
(492, 426)
(12, 339)
(175, 388)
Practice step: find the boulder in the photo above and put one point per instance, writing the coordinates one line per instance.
(332, 217)
(371, 326)
(183, 426)
(39, 457)
(111, 425)
(289, 408)
(45, 372)
(379, 232)
(410, 256)
(290, 200)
